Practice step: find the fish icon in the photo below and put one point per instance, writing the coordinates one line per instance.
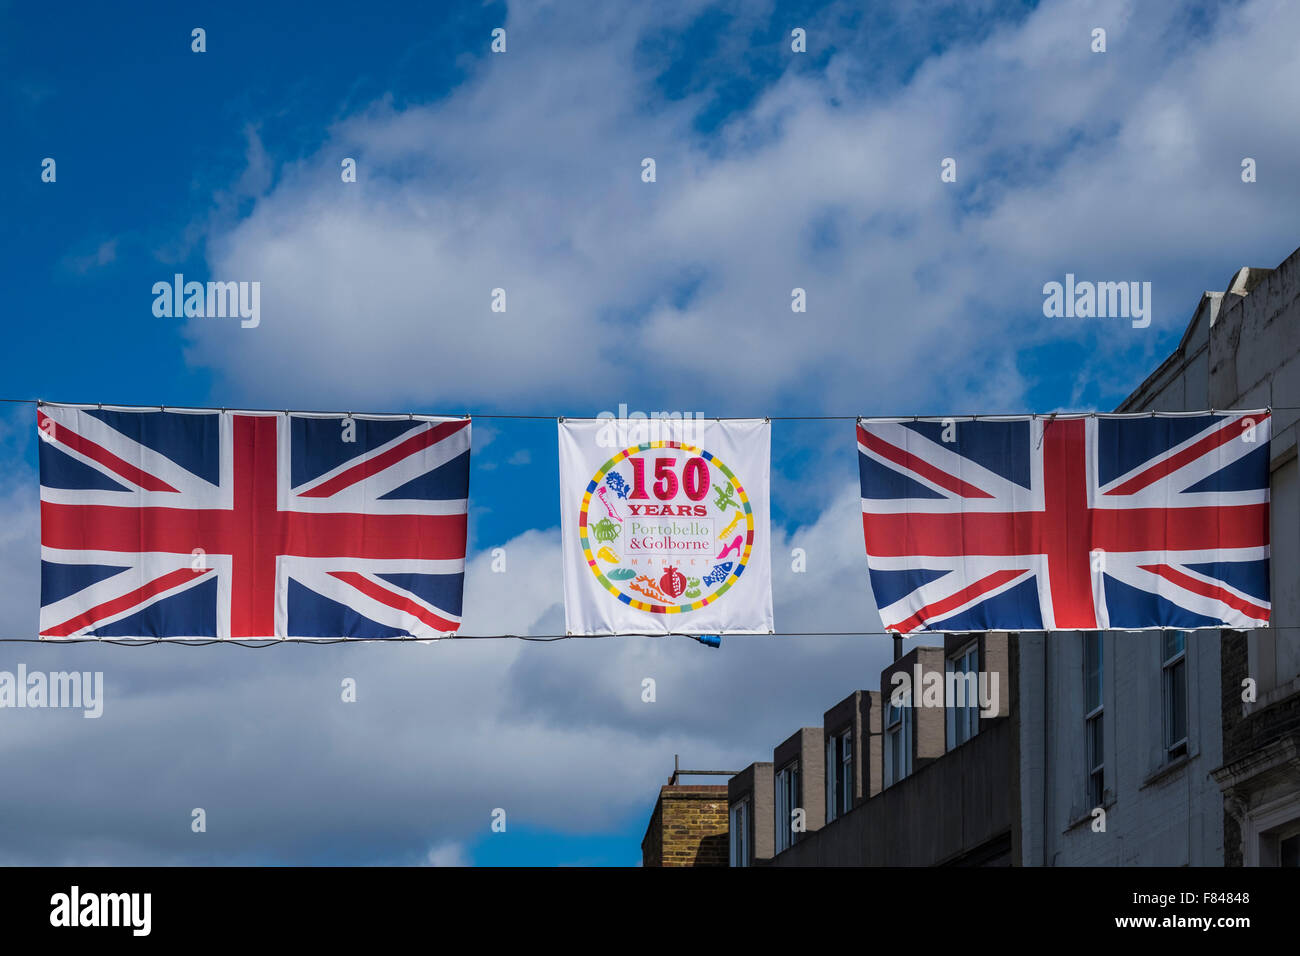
(718, 574)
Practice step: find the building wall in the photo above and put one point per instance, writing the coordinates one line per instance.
(806, 745)
(955, 810)
(957, 807)
(1255, 362)
(1157, 812)
(755, 784)
(929, 724)
(688, 827)
(871, 753)
(856, 713)
(1254, 350)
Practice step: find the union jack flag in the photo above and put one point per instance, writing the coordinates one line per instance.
(188, 524)
(1129, 522)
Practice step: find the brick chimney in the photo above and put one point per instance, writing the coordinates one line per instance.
(688, 827)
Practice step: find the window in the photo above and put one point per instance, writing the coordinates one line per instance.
(839, 775)
(1092, 717)
(788, 797)
(1174, 692)
(1288, 851)
(845, 790)
(898, 740)
(962, 682)
(739, 833)
(1279, 846)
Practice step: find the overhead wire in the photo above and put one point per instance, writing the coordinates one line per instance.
(269, 642)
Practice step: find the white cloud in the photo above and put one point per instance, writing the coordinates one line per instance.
(19, 524)
(447, 854)
(102, 256)
(527, 179)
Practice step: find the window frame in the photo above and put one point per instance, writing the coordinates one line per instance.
(739, 835)
(847, 767)
(1094, 723)
(967, 717)
(898, 726)
(1264, 828)
(1173, 667)
(788, 784)
(831, 778)
(839, 773)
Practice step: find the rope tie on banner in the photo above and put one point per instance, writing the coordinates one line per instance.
(1043, 434)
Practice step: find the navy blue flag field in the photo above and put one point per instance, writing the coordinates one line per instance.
(205, 524)
(1068, 522)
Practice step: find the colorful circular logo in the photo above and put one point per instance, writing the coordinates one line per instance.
(666, 527)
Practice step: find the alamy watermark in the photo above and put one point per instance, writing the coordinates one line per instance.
(935, 688)
(36, 689)
(213, 300)
(624, 428)
(133, 911)
(1102, 300)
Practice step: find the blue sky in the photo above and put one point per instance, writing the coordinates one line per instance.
(522, 170)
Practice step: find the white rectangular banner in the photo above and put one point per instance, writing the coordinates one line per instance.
(666, 526)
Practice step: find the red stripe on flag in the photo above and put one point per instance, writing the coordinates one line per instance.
(1204, 588)
(982, 586)
(126, 601)
(1025, 532)
(217, 531)
(84, 446)
(899, 457)
(410, 537)
(1180, 529)
(1227, 433)
(395, 601)
(1067, 524)
(377, 464)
